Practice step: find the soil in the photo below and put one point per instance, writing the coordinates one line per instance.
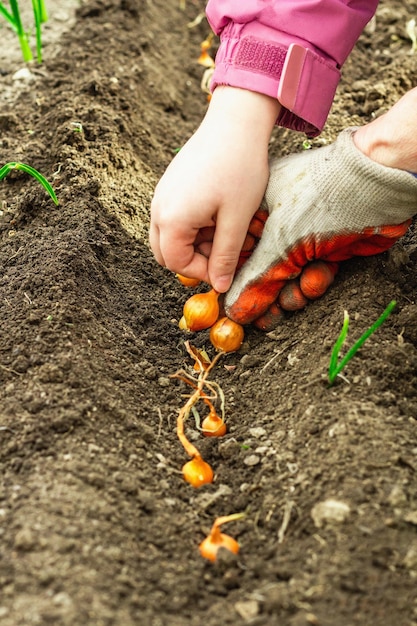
(97, 525)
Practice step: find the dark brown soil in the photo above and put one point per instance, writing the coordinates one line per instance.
(97, 526)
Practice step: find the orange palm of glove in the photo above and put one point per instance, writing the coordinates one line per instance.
(255, 299)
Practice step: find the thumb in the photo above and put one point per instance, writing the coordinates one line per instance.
(227, 244)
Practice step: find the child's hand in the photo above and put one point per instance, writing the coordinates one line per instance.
(204, 202)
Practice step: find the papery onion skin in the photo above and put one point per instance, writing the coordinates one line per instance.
(227, 335)
(182, 324)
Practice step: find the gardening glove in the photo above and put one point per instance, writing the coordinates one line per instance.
(330, 204)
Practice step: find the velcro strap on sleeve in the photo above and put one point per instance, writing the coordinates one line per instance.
(260, 56)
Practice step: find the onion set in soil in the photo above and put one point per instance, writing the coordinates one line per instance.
(201, 311)
(215, 540)
(196, 471)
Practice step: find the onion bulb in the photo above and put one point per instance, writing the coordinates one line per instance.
(188, 282)
(213, 425)
(197, 472)
(210, 546)
(226, 335)
(201, 310)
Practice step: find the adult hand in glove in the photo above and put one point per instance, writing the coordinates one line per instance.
(331, 204)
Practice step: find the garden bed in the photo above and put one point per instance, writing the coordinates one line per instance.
(97, 526)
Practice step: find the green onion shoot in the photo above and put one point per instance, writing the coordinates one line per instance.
(15, 22)
(336, 364)
(15, 165)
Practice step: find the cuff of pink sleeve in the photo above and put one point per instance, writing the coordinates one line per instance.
(302, 80)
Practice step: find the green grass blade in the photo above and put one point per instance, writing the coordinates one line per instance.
(334, 358)
(15, 165)
(16, 16)
(38, 29)
(8, 16)
(14, 20)
(23, 40)
(6, 169)
(24, 45)
(340, 366)
(42, 11)
(381, 319)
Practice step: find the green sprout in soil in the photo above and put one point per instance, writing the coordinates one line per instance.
(15, 165)
(337, 365)
(15, 22)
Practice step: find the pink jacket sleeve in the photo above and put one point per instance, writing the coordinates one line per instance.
(292, 50)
